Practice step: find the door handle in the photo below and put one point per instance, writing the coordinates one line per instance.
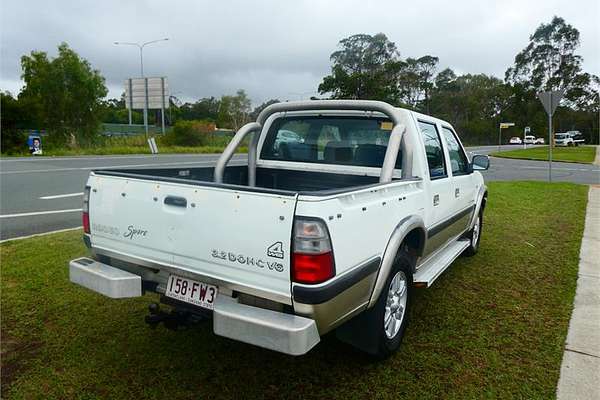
(176, 201)
(436, 199)
(457, 192)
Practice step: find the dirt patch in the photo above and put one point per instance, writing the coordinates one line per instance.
(14, 355)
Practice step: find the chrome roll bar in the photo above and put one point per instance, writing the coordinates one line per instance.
(232, 147)
(389, 111)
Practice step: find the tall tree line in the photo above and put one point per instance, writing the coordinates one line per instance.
(370, 67)
(65, 96)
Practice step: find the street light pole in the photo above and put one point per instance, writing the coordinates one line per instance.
(141, 47)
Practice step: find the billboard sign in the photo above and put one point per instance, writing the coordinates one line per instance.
(156, 88)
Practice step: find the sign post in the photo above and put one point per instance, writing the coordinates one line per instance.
(147, 94)
(130, 104)
(526, 131)
(162, 108)
(503, 125)
(550, 101)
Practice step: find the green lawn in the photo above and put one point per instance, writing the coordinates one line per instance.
(493, 325)
(579, 154)
(131, 145)
(122, 150)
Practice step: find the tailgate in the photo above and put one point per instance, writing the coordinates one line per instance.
(242, 237)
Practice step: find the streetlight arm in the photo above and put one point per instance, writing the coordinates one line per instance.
(154, 41)
(128, 43)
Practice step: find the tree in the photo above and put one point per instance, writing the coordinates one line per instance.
(362, 69)
(234, 110)
(258, 110)
(67, 90)
(204, 109)
(415, 81)
(426, 67)
(549, 62)
(473, 104)
(14, 118)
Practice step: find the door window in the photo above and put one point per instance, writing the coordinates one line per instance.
(433, 149)
(458, 159)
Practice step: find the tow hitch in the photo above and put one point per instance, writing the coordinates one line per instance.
(173, 320)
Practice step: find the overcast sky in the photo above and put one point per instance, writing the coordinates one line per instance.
(276, 49)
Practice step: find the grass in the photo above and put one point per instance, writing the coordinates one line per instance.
(122, 150)
(493, 325)
(131, 145)
(579, 154)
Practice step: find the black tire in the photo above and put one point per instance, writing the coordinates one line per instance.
(474, 236)
(404, 265)
(367, 331)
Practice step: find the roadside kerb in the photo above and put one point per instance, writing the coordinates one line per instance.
(580, 370)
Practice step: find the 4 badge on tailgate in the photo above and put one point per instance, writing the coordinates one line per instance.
(191, 291)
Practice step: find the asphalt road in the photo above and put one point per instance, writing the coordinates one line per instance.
(43, 194)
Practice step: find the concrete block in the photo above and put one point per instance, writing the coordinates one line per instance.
(579, 377)
(584, 328)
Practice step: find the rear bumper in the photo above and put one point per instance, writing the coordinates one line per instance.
(104, 279)
(285, 333)
(274, 330)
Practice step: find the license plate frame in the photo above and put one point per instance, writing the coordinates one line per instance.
(191, 291)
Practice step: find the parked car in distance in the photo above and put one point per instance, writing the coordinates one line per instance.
(563, 140)
(286, 136)
(515, 140)
(529, 139)
(539, 140)
(328, 230)
(577, 137)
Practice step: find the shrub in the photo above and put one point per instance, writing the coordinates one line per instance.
(190, 133)
(13, 141)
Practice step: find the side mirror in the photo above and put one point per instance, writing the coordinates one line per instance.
(480, 162)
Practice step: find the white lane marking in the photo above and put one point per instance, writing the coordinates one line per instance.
(37, 171)
(29, 214)
(40, 234)
(60, 196)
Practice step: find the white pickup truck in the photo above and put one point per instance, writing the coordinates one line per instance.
(343, 208)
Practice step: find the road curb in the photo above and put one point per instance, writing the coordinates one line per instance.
(580, 367)
(39, 234)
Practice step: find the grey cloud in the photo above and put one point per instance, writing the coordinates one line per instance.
(275, 49)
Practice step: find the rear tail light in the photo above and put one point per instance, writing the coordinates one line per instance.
(86, 210)
(312, 257)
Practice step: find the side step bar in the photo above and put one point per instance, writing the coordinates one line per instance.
(433, 267)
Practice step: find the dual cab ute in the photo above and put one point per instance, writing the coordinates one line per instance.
(342, 208)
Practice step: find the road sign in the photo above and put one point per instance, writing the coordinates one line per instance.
(147, 93)
(550, 100)
(503, 125)
(158, 95)
(527, 130)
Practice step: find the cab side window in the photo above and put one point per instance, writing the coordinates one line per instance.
(458, 159)
(433, 149)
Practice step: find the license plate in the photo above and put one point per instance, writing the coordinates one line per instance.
(191, 291)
